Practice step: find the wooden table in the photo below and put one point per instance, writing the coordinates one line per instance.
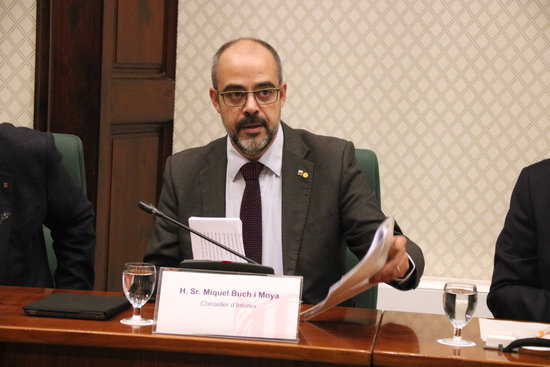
(342, 336)
(410, 339)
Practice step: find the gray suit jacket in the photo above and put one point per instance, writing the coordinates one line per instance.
(321, 214)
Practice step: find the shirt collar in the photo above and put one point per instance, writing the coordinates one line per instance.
(272, 158)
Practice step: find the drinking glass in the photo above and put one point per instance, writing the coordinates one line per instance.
(138, 283)
(459, 303)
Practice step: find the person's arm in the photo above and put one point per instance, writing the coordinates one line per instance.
(361, 215)
(516, 291)
(70, 218)
(405, 265)
(163, 248)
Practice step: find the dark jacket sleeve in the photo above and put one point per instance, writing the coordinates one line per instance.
(520, 284)
(70, 218)
(359, 202)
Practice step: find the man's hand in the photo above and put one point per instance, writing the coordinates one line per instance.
(398, 262)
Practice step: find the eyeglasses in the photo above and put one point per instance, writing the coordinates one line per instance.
(237, 98)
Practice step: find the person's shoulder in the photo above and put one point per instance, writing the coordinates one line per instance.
(540, 166)
(535, 175)
(22, 138)
(539, 170)
(198, 154)
(10, 131)
(313, 139)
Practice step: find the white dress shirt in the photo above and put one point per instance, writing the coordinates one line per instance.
(271, 191)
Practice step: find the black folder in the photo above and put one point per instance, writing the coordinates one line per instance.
(77, 306)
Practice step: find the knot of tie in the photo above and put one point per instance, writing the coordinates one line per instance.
(251, 170)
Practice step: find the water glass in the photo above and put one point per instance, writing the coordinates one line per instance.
(138, 283)
(459, 303)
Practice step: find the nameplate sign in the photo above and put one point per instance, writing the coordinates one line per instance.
(227, 304)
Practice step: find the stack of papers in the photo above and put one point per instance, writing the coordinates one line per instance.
(503, 332)
(228, 231)
(357, 279)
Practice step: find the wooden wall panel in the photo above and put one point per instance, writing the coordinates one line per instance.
(138, 88)
(135, 156)
(156, 97)
(68, 75)
(146, 23)
(105, 71)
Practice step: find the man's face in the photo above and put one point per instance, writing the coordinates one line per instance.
(248, 66)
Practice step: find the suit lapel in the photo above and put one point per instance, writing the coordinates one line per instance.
(296, 190)
(212, 180)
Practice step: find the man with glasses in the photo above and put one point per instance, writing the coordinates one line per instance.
(314, 200)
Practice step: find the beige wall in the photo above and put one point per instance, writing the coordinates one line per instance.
(17, 50)
(454, 97)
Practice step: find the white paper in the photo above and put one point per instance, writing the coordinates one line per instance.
(227, 231)
(494, 331)
(356, 280)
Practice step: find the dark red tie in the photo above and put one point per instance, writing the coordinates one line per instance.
(251, 211)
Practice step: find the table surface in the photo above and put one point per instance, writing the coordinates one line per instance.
(339, 336)
(412, 337)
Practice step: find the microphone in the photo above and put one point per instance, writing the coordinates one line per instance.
(250, 266)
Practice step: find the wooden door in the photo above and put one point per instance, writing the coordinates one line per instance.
(68, 75)
(136, 124)
(105, 71)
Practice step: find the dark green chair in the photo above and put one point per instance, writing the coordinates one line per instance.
(72, 157)
(368, 164)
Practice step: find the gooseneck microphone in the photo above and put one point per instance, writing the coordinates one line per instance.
(251, 267)
(149, 208)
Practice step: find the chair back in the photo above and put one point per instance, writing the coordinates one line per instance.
(368, 164)
(72, 157)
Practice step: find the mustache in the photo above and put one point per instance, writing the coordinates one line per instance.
(254, 119)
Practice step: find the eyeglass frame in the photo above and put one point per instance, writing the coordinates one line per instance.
(278, 89)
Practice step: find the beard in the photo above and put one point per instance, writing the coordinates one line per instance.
(254, 145)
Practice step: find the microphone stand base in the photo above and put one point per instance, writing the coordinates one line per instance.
(226, 266)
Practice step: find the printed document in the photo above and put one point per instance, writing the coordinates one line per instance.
(495, 332)
(227, 231)
(357, 279)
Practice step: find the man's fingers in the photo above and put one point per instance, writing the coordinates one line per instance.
(398, 262)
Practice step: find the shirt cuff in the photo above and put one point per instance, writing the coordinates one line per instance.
(408, 274)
